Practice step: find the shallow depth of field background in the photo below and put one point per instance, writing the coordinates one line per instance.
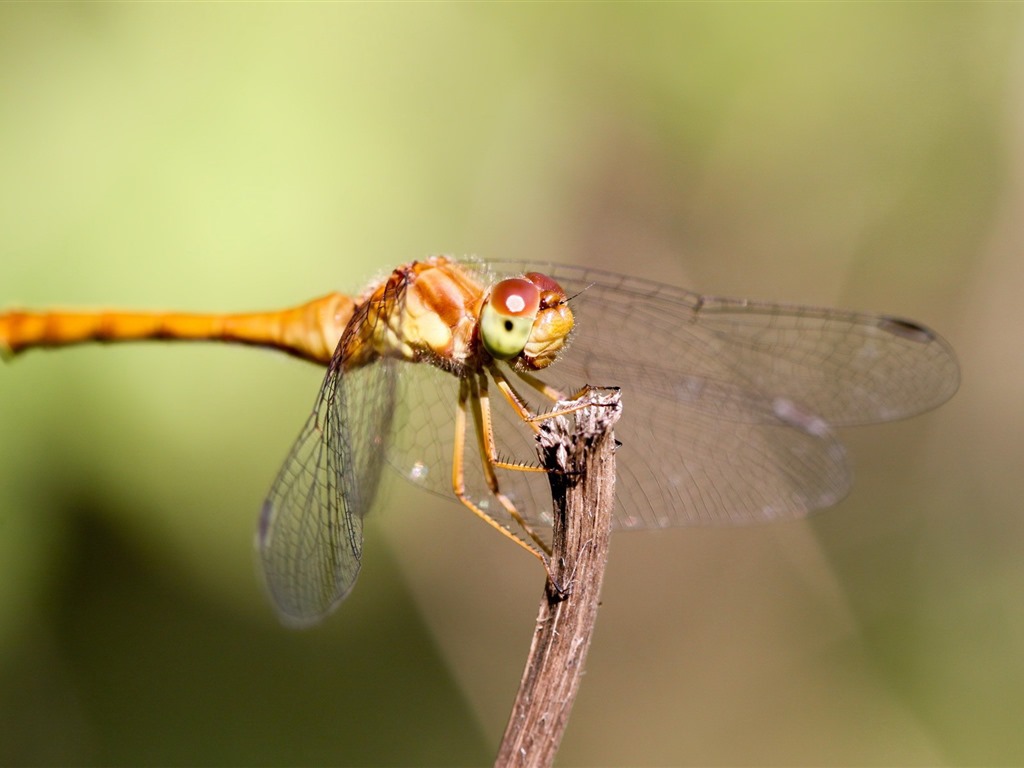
(246, 156)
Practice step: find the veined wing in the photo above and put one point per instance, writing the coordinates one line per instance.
(423, 442)
(849, 368)
(310, 533)
(729, 404)
(671, 472)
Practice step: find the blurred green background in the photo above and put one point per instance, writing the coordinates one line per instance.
(238, 156)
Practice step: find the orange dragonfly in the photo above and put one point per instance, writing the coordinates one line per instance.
(730, 404)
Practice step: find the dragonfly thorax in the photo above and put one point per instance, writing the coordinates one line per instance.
(437, 310)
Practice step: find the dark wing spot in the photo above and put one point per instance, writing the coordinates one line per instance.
(906, 329)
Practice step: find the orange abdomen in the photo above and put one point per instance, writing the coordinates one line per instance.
(310, 331)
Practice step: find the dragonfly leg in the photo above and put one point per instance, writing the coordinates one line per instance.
(488, 456)
(538, 548)
(488, 453)
(556, 395)
(520, 406)
(514, 398)
(552, 394)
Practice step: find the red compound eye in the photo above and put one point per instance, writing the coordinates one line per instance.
(551, 291)
(515, 297)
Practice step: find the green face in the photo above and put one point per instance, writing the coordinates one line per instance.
(507, 317)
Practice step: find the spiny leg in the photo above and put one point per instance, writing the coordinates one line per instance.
(485, 442)
(552, 394)
(519, 404)
(556, 395)
(466, 388)
(485, 437)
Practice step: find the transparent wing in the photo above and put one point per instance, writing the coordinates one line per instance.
(422, 447)
(849, 368)
(698, 473)
(729, 405)
(310, 533)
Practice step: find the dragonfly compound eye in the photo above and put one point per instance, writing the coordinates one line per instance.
(507, 317)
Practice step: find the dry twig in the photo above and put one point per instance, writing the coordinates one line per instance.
(581, 464)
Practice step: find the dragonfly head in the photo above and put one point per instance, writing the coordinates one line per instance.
(527, 319)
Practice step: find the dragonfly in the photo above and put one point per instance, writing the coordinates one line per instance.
(444, 369)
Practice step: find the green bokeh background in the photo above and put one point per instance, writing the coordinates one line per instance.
(237, 156)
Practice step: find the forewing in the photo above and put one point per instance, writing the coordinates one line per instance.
(729, 405)
(311, 529)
